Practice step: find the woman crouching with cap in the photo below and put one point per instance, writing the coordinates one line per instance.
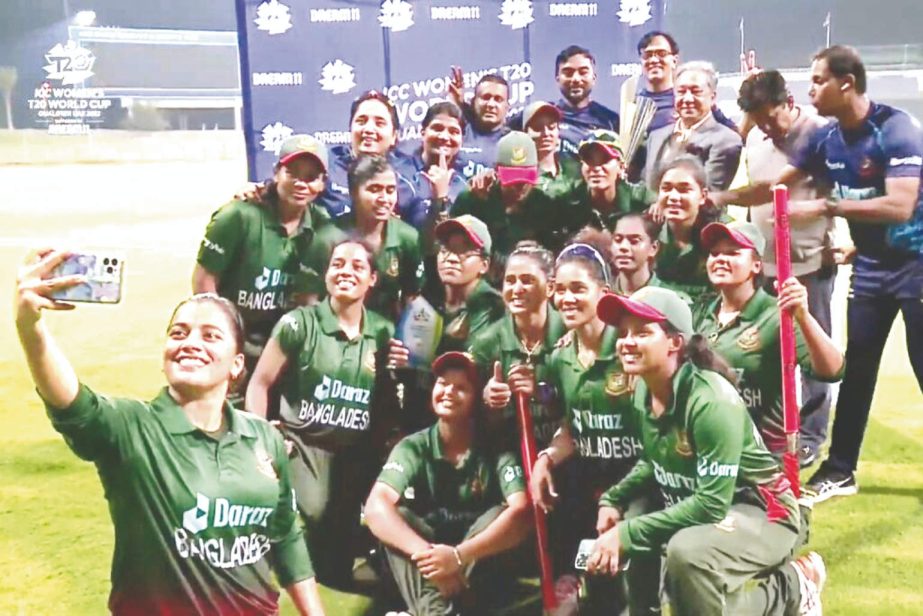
(730, 522)
(594, 439)
(445, 508)
(742, 325)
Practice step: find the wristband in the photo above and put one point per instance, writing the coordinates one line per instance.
(458, 559)
(833, 206)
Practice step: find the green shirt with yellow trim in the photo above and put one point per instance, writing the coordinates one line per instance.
(330, 384)
(500, 342)
(449, 497)
(597, 406)
(751, 345)
(705, 454)
(259, 266)
(399, 263)
(189, 507)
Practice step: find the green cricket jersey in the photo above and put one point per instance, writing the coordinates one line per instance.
(448, 497)
(597, 405)
(198, 520)
(484, 306)
(564, 182)
(400, 267)
(500, 342)
(576, 209)
(329, 385)
(259, 266)
(751, 345)
(705, 454)
(653, 281)
(533, 219)
(683, 269)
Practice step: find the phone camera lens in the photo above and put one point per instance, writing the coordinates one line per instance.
(110, 269)
(106, 261)
(115, 261)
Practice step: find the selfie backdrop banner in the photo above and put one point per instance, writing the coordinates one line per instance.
(303, 62)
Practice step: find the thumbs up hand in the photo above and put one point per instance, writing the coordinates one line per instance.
(497, 393)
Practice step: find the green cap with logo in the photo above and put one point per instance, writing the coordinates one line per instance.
(517, 159)
(473, 228)
(744, 234)
(654, 304)
(605, 141)
(297, 146)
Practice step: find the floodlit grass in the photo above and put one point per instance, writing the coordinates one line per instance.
(55, 536)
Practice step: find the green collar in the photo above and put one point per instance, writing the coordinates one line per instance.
(653, 281)
(666, 240)
(509, 338)
(175, 421)
(685, 372)
(271, 218)
(435, 446)
(758, 303)
(606, 348)
(392, 237)
(330, 325)
(480, 291)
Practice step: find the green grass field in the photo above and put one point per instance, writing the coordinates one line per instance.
(55, 536)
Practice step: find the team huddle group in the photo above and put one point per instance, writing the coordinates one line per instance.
(579, 263)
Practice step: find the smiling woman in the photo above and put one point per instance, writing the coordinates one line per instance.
(263, 256)
(333, 364)
(729, 521)
(395, 244)
(159, 465)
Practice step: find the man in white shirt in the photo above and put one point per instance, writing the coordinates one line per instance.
(781, 129)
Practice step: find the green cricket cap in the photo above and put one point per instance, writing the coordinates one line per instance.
(744, 234)
(473, 228)
(604, 140)
(654, 304)
(297, 146)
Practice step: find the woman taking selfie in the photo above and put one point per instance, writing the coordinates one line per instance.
(169, 491)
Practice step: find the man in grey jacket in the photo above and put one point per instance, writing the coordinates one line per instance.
(696, 130)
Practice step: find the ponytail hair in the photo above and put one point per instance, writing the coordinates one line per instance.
(697, 351)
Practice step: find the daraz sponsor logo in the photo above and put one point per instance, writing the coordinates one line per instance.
(706, 468)
(223, 515)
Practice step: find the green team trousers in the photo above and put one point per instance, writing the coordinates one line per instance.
(487, 579)
(737, 567)
(329, 490)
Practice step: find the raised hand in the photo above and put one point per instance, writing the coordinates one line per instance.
(497, 394)
(34, 285)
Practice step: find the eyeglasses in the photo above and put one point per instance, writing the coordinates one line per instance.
(445, 251)
(662, 54)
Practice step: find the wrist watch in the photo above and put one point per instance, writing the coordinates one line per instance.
(833, 206)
